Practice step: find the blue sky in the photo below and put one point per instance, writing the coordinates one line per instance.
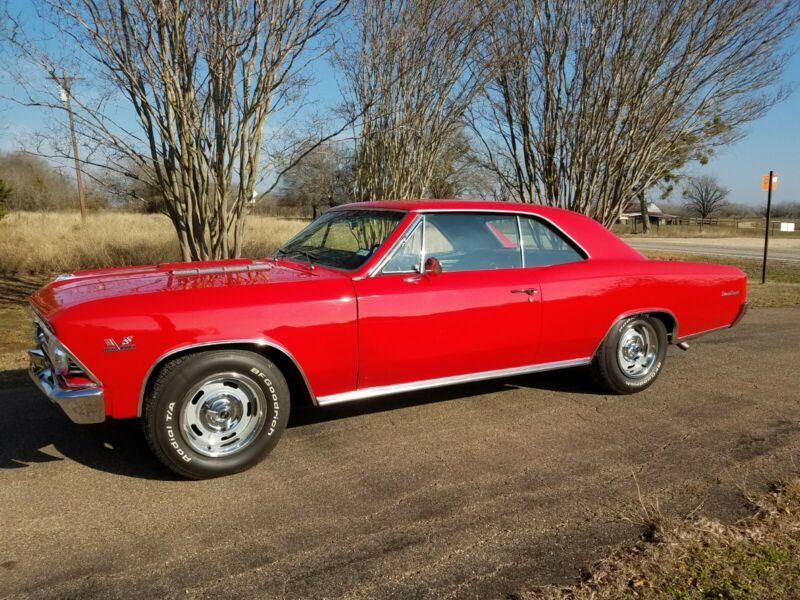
(772, 142)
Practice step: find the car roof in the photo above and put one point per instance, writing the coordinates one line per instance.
(423, 205)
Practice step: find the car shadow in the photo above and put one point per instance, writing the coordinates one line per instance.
(571, 381)
(32, 426)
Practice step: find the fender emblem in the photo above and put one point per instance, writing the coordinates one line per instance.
(113, 346)
(730, 293)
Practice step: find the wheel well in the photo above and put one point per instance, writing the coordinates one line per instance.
(667, 318)
(670, 323)
(298, 388)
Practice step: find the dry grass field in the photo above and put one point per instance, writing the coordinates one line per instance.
(59, 242)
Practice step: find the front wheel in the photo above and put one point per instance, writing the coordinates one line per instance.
(632, 355)
(215, 413)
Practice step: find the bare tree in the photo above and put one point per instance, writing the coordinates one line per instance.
(457, 172)
(202, 77)
(410, 69)
(598, 101)
(704, 195)
(323, 178)
(5, 194)
(36, 184)
(781, 210)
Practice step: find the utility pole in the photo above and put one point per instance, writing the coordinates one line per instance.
(65, 83)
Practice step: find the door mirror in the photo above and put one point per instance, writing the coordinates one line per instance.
(433, 266)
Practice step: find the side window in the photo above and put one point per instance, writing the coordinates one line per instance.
(406, 259)
(505, 230)
(543, 245)
(473, 241)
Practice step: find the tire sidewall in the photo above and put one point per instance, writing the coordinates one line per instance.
(618, 379)
(165, 414)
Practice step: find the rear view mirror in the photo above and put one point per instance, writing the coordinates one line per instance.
(433, 266)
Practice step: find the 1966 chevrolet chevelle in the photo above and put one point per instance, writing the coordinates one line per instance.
(370, 299)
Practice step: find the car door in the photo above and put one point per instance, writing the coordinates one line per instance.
(480, 313)
(571, 293)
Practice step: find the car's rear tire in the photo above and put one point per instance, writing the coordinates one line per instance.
(631, 356)
(215, 413)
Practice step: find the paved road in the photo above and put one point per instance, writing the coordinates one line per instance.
(476, 491)
(787, 250)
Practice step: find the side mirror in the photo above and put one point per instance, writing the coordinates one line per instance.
(432, 266)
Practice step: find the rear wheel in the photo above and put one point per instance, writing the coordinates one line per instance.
(632, 355)
(215, 413)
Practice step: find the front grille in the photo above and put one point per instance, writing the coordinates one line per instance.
(75, 375)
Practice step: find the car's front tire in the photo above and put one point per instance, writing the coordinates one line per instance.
(215, 413)
(632, 355)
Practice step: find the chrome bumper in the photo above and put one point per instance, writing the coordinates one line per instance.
(82, 405)
(742, 312)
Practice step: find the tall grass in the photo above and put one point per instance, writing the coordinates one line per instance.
(60, 242)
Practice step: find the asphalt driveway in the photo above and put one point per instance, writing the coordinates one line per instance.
(474, 491)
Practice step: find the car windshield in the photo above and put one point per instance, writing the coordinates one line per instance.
(343, 239)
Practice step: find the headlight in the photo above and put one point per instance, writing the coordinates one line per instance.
(59, 358)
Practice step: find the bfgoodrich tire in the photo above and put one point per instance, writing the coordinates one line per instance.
(215, 413)
(632, 355)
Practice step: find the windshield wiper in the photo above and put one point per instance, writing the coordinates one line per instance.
(307, 254)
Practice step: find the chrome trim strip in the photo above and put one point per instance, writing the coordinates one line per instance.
(378, 267)
(118, 271)
(375, 270)
(521, 213)
(742, 311)
(252, 342)
(224, 269)
(400, 388)
(693, 336)
(423, 249)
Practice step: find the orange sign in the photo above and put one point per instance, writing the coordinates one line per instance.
(765, 181)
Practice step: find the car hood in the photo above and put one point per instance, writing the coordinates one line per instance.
(81, 287)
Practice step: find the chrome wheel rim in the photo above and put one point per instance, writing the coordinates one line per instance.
(637, 349)
(223, 414)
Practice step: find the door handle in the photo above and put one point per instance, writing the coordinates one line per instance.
(529, 291)
(413, 279)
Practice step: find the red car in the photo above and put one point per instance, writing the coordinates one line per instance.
(371, 299)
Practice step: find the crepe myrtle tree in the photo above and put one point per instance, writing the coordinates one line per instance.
(595, 102)
(410, 69)
(201, 79)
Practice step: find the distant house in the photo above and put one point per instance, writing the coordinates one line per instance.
(632, 213)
